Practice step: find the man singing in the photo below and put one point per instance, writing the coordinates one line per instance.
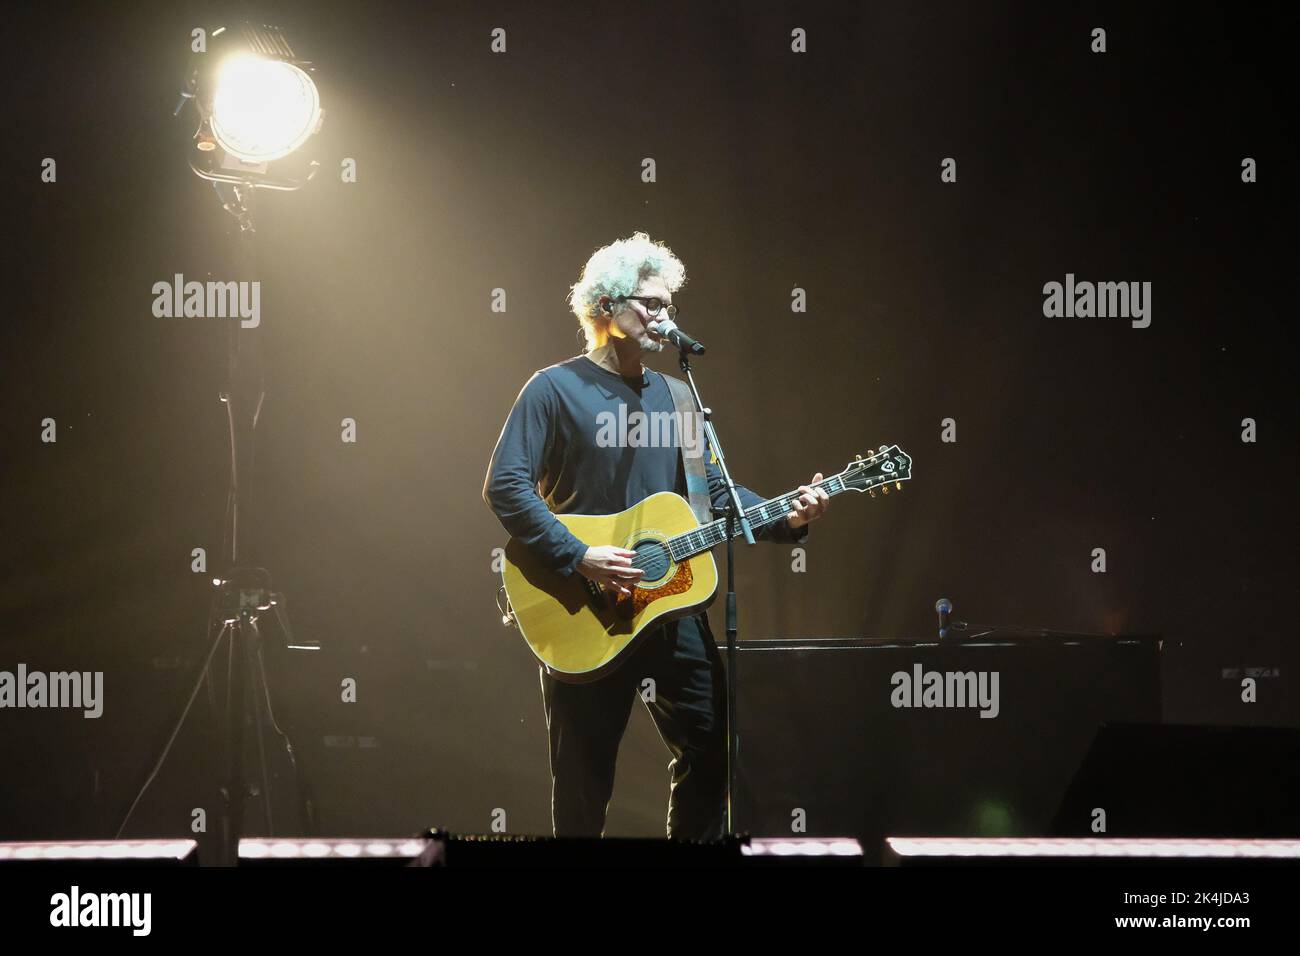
(548, 461)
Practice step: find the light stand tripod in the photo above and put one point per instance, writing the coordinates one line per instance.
(735, 512)
(244, 593)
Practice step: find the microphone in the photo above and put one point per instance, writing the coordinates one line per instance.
(944, 607)
(667, 329)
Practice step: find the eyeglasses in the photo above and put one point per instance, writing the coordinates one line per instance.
(653, 304)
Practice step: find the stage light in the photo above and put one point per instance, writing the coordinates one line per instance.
(1004, 848)
(803, 846)
(263, 109)
(259, 105)
(177, 851)
(260, 849)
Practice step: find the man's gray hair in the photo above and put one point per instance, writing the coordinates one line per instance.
(617, 269)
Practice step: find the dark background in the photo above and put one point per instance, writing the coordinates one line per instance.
(775, 170)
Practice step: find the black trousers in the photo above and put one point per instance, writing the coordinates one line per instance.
(678, 673)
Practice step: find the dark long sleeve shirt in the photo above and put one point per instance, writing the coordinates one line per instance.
(555, 456)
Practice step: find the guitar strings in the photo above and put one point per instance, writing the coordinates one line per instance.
(781, 502)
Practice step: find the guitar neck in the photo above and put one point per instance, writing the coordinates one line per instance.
(710, 535)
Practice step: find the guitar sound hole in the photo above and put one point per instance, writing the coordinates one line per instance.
(652, 558)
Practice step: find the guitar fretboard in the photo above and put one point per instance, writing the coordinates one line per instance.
(709, 535)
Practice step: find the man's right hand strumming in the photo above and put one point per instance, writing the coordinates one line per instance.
(611, 568)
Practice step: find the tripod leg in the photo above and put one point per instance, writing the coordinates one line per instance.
(306, 806)
(162, 757)
(258, 698)
(233, 819)
(306, 801)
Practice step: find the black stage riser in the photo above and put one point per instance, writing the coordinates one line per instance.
(822, 745)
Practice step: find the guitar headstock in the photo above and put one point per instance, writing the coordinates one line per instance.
(886, 468)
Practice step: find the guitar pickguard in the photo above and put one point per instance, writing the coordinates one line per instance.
(630, 607)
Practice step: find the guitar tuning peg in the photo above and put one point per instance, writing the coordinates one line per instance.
(884, 490)
(872, 492)
(898, 485)
(857, 457)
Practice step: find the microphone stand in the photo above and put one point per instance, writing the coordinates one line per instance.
(735, 513)
(949, 625)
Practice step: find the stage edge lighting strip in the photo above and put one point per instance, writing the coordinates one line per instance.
(1101, 847)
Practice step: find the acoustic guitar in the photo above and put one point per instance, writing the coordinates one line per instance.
(581, 632)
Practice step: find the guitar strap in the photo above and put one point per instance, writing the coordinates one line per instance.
(697, 482)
